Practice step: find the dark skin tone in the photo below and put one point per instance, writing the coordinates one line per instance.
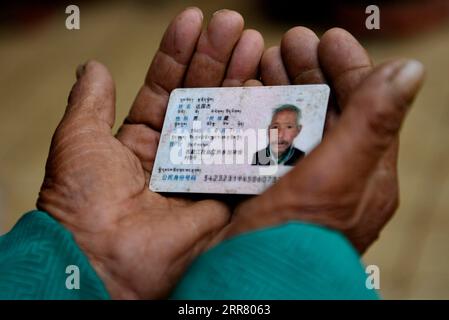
(140, 242)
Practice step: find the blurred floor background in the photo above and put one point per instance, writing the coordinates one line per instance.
(38, 58)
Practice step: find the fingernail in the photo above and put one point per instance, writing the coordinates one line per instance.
(198, 10)
(408, 79)
(219, 11)
(80, 70)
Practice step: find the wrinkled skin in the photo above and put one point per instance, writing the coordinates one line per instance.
(140, 242)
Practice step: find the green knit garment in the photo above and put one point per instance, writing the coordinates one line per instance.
(292, 261)
(34, 257)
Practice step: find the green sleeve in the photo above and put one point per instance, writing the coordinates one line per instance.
(291, 261)
(34, 257)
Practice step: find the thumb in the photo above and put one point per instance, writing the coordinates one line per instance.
(92, 99)
(371, 121)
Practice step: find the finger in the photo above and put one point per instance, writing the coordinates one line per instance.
(92, 99)
(214, 49)
(167, 69)
(344, 62)
(370, 124)
(299, 50)
(140, 133)
(245, 59)
(272, 69)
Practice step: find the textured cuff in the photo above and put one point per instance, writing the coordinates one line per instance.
(34, 257)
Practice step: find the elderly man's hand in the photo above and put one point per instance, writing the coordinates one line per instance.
(140, 242)
(349, 182)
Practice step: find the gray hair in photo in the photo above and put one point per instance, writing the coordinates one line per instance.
(289, 107)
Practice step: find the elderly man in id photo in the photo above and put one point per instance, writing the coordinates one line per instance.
(280, 150)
